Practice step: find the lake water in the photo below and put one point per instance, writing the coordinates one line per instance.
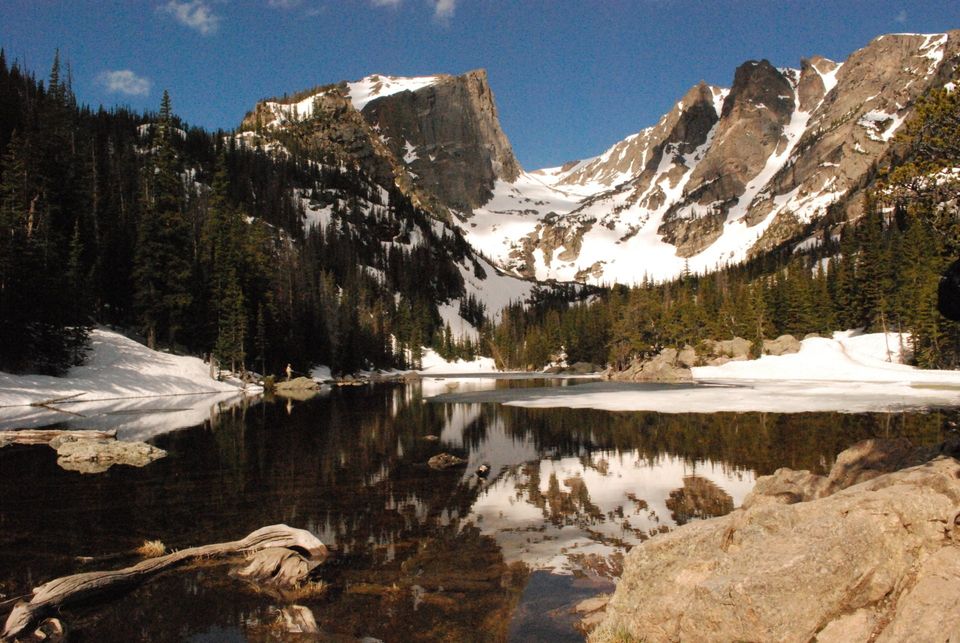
(419, 554)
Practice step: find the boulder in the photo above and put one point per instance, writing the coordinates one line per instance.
(861, 462)
(296, 384)
(445, 461)
(98, 455)
(878, 560)
(687, 357)
(664, 368)
(783, 345)
(737, 348)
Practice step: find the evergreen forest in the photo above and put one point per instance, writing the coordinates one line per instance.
(878, 273)
(198, 244)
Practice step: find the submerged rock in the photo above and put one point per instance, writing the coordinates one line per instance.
(877, 560)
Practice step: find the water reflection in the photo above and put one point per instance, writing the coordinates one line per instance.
(420, 554)
(564, 513)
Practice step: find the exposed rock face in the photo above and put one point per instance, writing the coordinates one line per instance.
(725, 174)
(751, 126)
(449, 135)
(878, 560)
(679, 132)
(874, 93)
(439, 140)
(640, 171)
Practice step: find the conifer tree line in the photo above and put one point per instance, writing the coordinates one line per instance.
(879, 273)
(198, 244)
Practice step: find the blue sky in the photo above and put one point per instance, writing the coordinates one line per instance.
(570, 77)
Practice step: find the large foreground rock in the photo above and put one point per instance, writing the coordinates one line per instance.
(879, 560)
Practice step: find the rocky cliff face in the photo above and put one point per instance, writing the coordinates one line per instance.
(437, 136)
(449, 135)
(724, 175)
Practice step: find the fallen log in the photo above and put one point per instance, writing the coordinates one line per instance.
(46, 436)
(55, 400)
(79, 588)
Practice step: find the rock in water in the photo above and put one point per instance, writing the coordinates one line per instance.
(96, 456)
(445, 461)
(879, 560)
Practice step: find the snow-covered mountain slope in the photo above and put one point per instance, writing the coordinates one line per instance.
(724, 174)
(387, 155)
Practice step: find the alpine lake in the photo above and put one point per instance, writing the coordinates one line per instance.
(418, 554)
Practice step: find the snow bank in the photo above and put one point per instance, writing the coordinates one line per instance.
(116, 367)
(848, 356)
(432, 363)
(849, 373)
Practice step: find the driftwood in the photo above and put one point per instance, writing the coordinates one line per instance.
(54, 400)
(78, 588)
(278, 566)
(46, 436)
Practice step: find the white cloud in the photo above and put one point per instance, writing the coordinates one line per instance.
(124, 81)
(443, 9)
(195, 14)
(284, 4)
(901, 17)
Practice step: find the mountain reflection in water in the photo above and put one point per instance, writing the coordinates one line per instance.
(419, 554)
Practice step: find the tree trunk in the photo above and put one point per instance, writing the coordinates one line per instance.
(68, 590)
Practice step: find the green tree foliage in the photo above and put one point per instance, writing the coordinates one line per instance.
(142, 222)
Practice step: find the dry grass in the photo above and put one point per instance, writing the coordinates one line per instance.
(152, 549)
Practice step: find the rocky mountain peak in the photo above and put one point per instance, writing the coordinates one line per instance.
(758, 83)
(448, 134)
(812, 86)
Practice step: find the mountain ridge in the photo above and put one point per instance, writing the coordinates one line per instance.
(726, 173)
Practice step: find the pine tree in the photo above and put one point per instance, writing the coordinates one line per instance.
(164, 247)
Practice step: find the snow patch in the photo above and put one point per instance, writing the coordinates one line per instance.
(377, 86)
(434, 364)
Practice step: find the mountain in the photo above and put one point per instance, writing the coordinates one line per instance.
(438, 135)
(725, 174)
(434, 142)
